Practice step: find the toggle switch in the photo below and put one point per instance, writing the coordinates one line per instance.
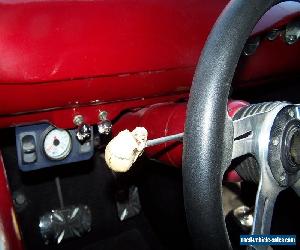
(28, 149)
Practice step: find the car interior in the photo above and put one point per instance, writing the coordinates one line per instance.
(149, 125)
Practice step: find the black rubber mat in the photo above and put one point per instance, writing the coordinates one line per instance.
(89, 183)
(129, 240)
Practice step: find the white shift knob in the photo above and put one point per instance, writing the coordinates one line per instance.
(123, 150)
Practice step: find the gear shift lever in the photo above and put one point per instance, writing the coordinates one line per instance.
(123, 150)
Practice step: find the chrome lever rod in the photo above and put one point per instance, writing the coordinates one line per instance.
(160, 140)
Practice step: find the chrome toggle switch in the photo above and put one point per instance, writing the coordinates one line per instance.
(104, 125)
(84, 132)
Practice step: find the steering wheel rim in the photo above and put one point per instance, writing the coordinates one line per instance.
(208, 139)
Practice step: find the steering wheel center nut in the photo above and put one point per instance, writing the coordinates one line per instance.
(291, 148)
(294, 150)
(284, 147)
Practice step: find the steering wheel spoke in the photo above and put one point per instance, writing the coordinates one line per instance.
(243, 137)
(265, 200)
(242, 147)
(246, 131)
(266, 196)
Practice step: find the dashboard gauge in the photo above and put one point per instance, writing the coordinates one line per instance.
(57, 144)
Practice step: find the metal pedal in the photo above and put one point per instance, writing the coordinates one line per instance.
(130, 206)
(66, 223)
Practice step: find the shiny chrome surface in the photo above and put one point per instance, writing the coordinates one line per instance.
(252, 136)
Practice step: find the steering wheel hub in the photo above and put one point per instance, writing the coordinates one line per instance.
(292, 149)
(284, 146)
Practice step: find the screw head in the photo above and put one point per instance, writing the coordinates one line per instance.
(291, 38)
(282, 177)
(103, 115)
(20, 199)
(244, 215)
(291, 113)
(78, 120)
(273, 34)
(275, 141)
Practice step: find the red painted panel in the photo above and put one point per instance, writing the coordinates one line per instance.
(10, 238)
(45, 40)
(57, 40)
(53, 40)
(271, 59)
(65, 54)
(63, 118)
(20, 98)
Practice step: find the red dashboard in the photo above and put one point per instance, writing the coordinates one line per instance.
(75, 57)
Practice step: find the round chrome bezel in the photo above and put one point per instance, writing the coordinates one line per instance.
(66, 152)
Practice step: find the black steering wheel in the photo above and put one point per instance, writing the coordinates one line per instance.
(210, 134)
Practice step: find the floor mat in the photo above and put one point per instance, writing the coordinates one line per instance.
(88, 183)
(130, 240)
